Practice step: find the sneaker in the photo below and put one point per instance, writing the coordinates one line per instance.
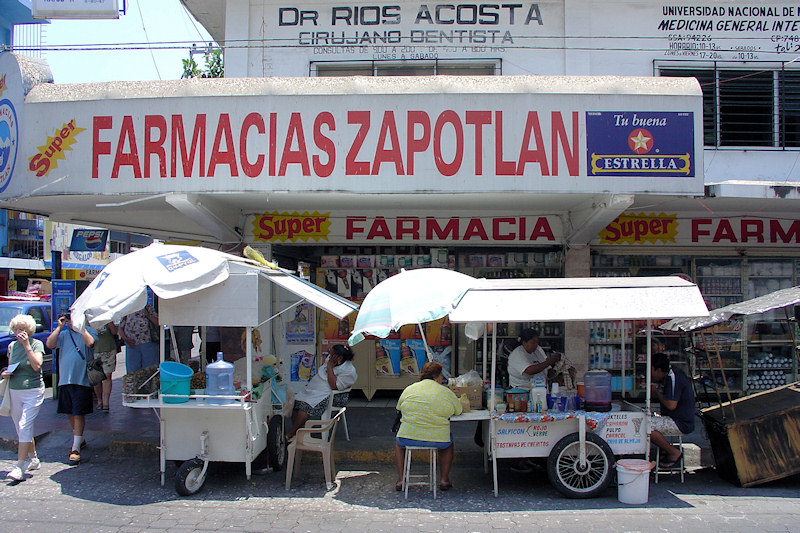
(16, 474)
(74, 457)
(31, 463)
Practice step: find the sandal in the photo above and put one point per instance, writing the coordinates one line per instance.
(398, 486)
(445, 485)
(105, 408)
(671, 464)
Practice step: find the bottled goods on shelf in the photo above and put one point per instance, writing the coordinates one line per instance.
(767, 379)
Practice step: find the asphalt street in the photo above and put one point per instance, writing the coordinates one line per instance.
(109, 493)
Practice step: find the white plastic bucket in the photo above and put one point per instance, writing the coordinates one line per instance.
(633, 480)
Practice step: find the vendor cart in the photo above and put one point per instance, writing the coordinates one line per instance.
(248, 426)
(579, 446)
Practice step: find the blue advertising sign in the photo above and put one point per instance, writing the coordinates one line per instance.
(62, 297)
(640, 143)
(88, 240)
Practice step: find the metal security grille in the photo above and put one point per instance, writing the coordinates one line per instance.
(747, 107)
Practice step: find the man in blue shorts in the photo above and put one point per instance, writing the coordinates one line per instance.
(74, 391)
(677, 407)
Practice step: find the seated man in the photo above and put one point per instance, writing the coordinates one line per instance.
(336, 373)
(677, 407)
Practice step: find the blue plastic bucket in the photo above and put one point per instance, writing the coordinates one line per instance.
(175, 379)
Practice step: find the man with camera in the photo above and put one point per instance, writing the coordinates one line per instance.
(74, 391)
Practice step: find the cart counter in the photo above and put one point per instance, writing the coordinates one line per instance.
(536, 434)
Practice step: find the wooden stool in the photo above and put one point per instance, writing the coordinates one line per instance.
(423, 479)
(679, 466)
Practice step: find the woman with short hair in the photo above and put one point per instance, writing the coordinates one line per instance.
(25, 389)
(426, 408)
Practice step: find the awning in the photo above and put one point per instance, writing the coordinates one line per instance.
(762, 304)
(77, 266)
(332, 303)
(22, 264)
(574, 299)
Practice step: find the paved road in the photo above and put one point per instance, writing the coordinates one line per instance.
(117, 494)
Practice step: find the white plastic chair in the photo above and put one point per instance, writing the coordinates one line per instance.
(326, 415)
(303, 441)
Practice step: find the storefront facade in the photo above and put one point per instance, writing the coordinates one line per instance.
(543, 163)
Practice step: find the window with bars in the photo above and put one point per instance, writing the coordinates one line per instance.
(755, 108)
(439, 67)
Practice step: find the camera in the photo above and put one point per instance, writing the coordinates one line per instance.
(65, 316)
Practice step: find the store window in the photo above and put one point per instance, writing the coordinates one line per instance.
(747, 107)
(443, 67)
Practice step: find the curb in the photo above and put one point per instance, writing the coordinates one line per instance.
(133, 449)
(12, 444)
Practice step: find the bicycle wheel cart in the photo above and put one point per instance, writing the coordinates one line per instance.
(579, 446)
(244, 430)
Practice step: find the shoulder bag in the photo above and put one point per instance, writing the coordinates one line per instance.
(94, 366)
(5, 406)
(5, 390)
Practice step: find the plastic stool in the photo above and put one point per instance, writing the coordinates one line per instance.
(679, 467)
(424, 479)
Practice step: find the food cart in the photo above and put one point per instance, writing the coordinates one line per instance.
(243, 429)
(579, 446)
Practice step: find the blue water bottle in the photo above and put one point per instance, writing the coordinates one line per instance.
(219, 381)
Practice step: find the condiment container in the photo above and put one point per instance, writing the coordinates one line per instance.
(597, 390)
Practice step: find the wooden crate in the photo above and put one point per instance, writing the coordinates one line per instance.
(756, 439)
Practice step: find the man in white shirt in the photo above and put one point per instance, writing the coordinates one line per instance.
(528, 360)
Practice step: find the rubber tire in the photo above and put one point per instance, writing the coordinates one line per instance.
(187, 480)
(276, 444)
(563, 460)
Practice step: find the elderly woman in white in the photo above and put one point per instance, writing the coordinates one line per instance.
(26, 390)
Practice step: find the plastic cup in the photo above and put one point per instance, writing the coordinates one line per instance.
(580, 389)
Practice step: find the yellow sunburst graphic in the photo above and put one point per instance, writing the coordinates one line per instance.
(640, 228)
(46, 159)
(291, 227)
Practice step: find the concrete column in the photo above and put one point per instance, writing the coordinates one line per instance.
(576, 341)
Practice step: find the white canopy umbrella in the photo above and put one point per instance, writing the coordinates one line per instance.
(172, 271)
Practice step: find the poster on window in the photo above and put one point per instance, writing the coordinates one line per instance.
(300, 330)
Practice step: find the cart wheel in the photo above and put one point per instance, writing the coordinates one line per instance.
(566, 474)
(190, 478)
(276, 443)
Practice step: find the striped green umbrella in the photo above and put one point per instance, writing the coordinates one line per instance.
(410, 297)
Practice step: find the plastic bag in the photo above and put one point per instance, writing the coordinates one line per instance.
(464, 403)
(468, 379)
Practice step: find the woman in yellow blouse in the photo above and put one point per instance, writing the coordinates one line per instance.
(426, 408)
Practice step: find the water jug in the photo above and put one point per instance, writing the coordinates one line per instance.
(538, 396)
(219, 381)
(597, 390)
